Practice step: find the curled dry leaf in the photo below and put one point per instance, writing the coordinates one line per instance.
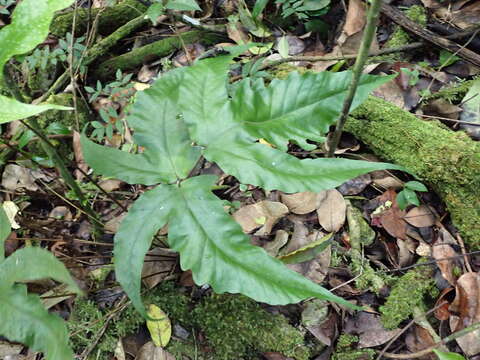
(356, 17)
(445, 255)
(264, 214)
(421, 216)
(418, 338)
(467, 305)
(15, 176)
(274, 246)
(301, 203)
(442, 312)
(331, 210)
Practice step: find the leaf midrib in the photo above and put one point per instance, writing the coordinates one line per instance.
(218, 249)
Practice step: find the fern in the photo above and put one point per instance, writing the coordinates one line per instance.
(191, 106)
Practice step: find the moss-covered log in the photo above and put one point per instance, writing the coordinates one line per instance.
(109, 19)
(154, 51)
(448, 161)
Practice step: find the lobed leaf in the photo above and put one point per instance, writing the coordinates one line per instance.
(33, 263)
(204, 99)
(24, 319)
(168, 153)
(260, 165)
(298, 108)
(217, 251)
(150, 212)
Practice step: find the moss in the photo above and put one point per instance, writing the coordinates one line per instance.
(39, 81)
(409, 292)
(448, 161)
(235, 327)
(345, 349)
(65, 118)
(154, 51)
(109, 19)
(453, 92)
(368, 278)
(238, 328)
(283, 70)
(400, 37)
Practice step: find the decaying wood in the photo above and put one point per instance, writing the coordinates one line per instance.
(401, 19)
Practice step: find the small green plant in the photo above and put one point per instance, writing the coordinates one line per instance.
(4, 5)
(448, 355)
(408, 196)
(120, 91)
(40, 58)
(160, 7)
(187, 114)
(24, 318)
(303, 9)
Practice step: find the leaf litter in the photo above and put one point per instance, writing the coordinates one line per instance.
(286, 235)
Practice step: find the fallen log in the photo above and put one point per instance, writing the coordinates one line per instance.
(154, 51)
(109, 19)
(448, 161)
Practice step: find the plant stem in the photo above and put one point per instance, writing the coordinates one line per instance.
(369, 33)
(50, 149)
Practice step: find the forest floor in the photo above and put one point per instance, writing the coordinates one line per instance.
(404, 248)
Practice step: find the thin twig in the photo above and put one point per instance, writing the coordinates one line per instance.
(421, 353)
(385, 348)
(368, 35)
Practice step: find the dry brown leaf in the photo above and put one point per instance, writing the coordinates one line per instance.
(331, 210)
(421, 216)
(264, 214)
(385, 180)
(301, 203)
(442, 312)
(274, 246)
(369, 329)
(78, 153)
(467, 305)
(151, 352)
(145, 74)
(316, 269)
(158, 264)
(275, 356)
(356, 185)
(418, 338)
(110, 184)
(389, 216)
(356, 17)
(391, 92)
(446, 266)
